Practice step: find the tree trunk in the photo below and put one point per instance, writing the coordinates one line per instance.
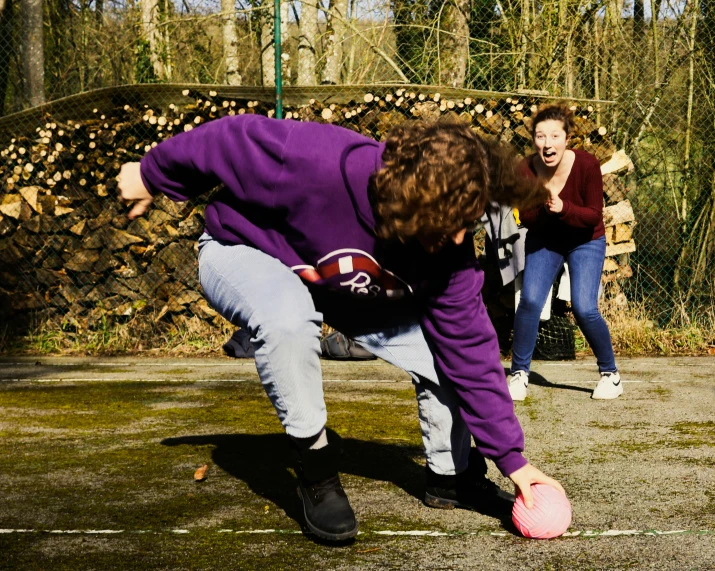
(150, 15)
(638, 21)
(701, 229)
(614, 9)
(410, 39)
(268, 57)
(568, 53)
(596, 26)
(523, 70)
(699, 225)
(454, 43)
(230, 42)
(33, 52)
(268, 70)
(97, 78)
(6, 49)
(307, 42)
(654, 26)
(337, 15)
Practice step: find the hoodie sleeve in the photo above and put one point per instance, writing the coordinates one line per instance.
(244, 152)
(466, 351)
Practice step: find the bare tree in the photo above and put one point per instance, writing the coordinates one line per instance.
(268, 62)
(698, 245)
(6, 48)
(307, 42)
(525, 38)
(99, 23)
(33, 52)
(230, 42)
(638, 20)
(337, 19)
(150, 19)
(568, 51)
(612, 32)
(268, 71)
(454, 43)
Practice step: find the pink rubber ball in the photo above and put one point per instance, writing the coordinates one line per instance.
(550, 517)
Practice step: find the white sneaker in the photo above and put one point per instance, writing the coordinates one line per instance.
(518, 382)
(609, 387)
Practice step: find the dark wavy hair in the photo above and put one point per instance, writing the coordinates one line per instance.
(438, 178)
(554, 112)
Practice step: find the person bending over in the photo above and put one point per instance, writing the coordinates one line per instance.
(316, 223)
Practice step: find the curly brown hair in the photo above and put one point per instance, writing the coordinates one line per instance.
(438, 177)
(553, 112)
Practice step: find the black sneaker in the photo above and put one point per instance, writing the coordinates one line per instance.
(466, 491)
(327, 510)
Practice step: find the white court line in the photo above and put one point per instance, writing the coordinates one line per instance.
(189, 380)
(105, 380)
(394, 533)
(178, 364)
(131, 366)
(559, 382)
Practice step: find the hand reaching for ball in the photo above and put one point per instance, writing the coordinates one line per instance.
(527, 475)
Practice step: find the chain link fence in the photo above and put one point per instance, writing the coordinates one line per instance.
(100, 83)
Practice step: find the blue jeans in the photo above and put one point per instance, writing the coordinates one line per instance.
(585, 268)
(260, 294)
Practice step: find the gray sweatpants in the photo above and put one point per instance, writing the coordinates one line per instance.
(259, 293)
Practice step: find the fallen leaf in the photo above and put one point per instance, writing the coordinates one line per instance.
(200, 474)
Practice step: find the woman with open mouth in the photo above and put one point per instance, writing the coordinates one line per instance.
(568, 228)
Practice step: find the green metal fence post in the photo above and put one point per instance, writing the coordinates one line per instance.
(277, 51)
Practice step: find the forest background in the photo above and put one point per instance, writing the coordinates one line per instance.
(643, 70)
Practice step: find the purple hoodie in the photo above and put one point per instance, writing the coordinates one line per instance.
(299, 192)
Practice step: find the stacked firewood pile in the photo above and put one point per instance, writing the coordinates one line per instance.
(68, 251)
(619, 220)
(508, 119)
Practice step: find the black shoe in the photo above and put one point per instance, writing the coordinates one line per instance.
(339, 346)
(325, 505)
(467, 491)
(327, 510)
(240, 346)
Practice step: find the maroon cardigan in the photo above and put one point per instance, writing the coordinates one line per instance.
(581, 219)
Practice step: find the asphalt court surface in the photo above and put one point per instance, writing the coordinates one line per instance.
(640, 470)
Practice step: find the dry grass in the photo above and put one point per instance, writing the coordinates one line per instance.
(634, 333)
(192, 336)
(632, 330)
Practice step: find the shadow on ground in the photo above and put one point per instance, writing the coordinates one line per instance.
(263, 463)
(538, 380)
(22, 368)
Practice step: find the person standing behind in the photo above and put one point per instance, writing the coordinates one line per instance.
(568, 228)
